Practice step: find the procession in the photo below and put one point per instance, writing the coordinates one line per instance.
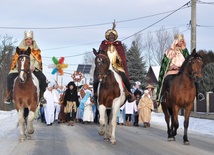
(108, 76)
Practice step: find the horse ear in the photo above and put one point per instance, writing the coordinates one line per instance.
(28, 51)
(193, 52)
(18, 51)
(95, 51)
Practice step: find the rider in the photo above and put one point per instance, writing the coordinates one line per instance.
(170, 65)
(36, 65)
(117, 58)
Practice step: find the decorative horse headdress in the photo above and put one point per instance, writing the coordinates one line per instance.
(111, 31)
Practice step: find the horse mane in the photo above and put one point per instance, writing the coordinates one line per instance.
(183, 66)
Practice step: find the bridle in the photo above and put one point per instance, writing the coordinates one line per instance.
(193, 73)
(100, 63)
(27, 71)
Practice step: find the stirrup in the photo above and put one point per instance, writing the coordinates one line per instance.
(200, 97)
(93, 99)
(7, 100)
(163, 99)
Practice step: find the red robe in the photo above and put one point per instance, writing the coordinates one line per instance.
(117, 44)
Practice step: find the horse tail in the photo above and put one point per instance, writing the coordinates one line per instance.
(26, 112)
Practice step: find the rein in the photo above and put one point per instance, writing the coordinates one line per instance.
(101, 63)
(191, 75)
(27, 71)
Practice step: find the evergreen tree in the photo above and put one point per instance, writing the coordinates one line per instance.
(207, 82)
(136, 65)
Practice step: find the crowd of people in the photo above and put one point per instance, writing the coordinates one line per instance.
(77, 107)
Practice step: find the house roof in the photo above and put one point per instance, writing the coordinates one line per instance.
(156, 70)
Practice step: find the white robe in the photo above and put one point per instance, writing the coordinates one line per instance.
(130, 107)
(88, 112)
(51, 97)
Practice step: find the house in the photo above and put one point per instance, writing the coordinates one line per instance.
(152, 75)
(152, 80)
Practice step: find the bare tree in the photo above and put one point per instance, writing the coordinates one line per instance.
(6, 53)
(148, 48)
(155, 45)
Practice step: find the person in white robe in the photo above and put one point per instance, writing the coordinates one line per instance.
(52, 96)
(88, 115)
(130, 108)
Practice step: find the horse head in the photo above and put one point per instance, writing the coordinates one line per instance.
(193, 66)
(102, 64)
(23, 64)
(196, 63)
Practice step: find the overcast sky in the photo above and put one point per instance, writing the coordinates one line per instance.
(68, 28)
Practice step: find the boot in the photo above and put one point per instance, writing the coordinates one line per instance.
(94, 99)
(163, 99)
(200, 97)
(72, 123)
(127, 123)
(8, 98)
(130, 97)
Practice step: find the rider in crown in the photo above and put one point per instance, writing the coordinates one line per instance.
(170, 65)
(117, 58)
(36, 65)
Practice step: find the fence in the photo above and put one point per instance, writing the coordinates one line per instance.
(205, 108)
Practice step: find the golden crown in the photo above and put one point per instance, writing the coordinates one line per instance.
(178, 36)
(28, 34)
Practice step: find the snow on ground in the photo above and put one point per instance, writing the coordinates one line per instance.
(9, 120)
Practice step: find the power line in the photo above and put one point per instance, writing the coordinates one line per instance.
(97, 42)
(201, 2)
(89, 25)
(156, 21)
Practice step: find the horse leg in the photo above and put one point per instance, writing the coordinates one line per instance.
(167, 120)
(108, 125)
(186, 124)
(175, 123)
(30, 128)
(114, 124)
(22, 127)
(102, 110)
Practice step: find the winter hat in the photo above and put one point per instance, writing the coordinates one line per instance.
(50, 84)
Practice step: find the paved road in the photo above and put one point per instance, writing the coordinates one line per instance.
(81, 139)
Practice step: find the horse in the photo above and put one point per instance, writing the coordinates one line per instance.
(25, 93)
(181, 95)
(110, 95)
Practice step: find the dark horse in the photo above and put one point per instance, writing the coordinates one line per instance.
(110, 96)
(25, 93)
(181, 94)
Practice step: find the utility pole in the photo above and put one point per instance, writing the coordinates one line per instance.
(193, 25)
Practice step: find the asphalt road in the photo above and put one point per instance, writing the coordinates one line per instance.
(82, 139)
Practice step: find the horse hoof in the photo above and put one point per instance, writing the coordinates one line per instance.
(107, 139)
(30, 132)
(28, 137)
(101, 133)
(21, 140)
(186, 143)
(113, 142)
(171, 139)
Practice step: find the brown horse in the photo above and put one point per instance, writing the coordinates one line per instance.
(110, 96)
(181, 94)
(25, 93)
